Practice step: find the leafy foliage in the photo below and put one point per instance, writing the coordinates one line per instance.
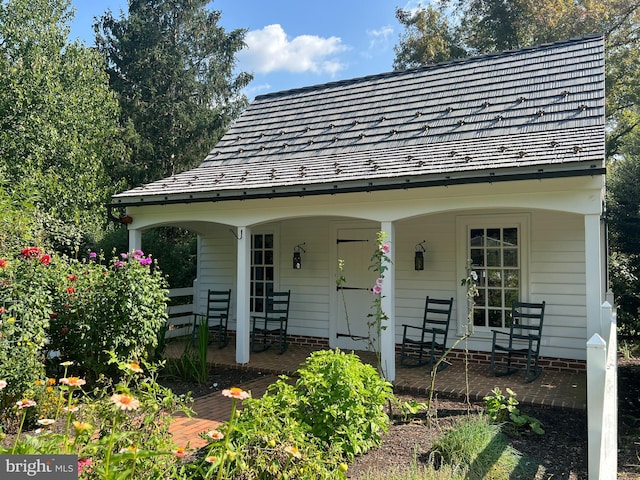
(171, 65)
(503, 410)
(305, 430)
(58, 124)
(25, 308)
(98, 308)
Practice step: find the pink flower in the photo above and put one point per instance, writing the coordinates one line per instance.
(3, 384)
(385, 248)
(72, 381)
(379, 281)
(145, 261)
(216, 435)
(125, 402)
(93, 254)
(25, 404)
(235, 392)
(118, 264)
(83, 463)
(377, 289)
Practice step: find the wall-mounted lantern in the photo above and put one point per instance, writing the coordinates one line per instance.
(297, 257)
(418, 260)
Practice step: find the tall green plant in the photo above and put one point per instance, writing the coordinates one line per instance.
(25, 309)
(118, 306)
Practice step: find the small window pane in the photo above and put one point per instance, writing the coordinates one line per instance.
(512, 278)
(257, 257)
(259, 291)
(268, 241)
(478, 318)
(494, 237)
(495, 318)
(270, 274)
(477, 257)
(495, 278)
(495, 297)
(511, 237)
(493, 258)
(510, 296)
(268, 257)
(257, 241)
(477, 237)
(510, 257)
(480, 298)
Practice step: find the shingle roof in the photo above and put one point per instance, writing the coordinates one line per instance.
(538, 110)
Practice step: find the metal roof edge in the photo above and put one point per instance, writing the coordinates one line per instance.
(403, 183)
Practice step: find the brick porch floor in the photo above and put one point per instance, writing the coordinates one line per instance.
(554, 389)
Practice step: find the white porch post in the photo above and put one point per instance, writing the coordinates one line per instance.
(243, 322)
(135, 239)
(388, 335)
(593, 271)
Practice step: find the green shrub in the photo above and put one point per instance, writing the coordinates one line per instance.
(119, 308)
(306, 429)
(342, 400)
(25, 308)
(503, 410)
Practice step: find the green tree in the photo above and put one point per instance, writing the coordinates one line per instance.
(171, 66)
(58, 122)
(428, 38)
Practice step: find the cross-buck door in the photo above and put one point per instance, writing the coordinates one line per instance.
(355, 299)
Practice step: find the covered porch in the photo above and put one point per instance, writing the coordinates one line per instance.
(558, 389)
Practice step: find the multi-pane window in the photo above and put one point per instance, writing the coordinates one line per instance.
(495, 256)
(262, 269)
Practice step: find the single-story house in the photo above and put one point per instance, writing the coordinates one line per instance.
(498, 158)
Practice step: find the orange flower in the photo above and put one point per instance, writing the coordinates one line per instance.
(134, 367)
(211, 459)
(179, 452)
(72, 381)
(293, 451)
(235, 392)
(70, 290)
(125, 402)
(3, 263)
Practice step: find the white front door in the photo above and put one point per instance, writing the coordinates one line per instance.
(355, 248)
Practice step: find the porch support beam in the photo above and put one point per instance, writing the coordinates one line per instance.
(243, 328)
(388, 334)
(593, 246)
(135, 239)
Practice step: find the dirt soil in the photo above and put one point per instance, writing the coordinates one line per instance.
(560, 453)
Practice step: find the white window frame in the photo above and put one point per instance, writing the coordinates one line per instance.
(464, 224)
(276, 263)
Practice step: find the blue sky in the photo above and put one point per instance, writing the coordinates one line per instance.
(293, 43)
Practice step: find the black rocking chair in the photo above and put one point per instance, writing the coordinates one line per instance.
(272, 325)
(217, 317)
(426, 344)
(522, 349)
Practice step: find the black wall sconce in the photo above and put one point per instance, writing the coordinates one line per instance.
(418, 260)
(297, 258)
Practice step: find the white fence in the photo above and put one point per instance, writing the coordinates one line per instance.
(181, 315)
(602, 398)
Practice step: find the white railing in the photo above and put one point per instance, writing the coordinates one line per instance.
(602, 398)
(180, 321)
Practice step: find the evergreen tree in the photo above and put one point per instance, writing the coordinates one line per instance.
(172, 67)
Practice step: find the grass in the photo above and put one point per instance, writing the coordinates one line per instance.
(474, 449)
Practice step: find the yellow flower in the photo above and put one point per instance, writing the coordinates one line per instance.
(235, 392)
(81, 426)
(39, 382)
(68, 363)
(11, 319)
(130, 449)
(125, 402)
(51, 381)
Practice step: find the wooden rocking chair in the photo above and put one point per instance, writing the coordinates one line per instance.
(426, 344)
(217, 317)
(521, 347)
(272, 325)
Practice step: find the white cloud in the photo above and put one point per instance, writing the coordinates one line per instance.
(379, 38)
(269, 50)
